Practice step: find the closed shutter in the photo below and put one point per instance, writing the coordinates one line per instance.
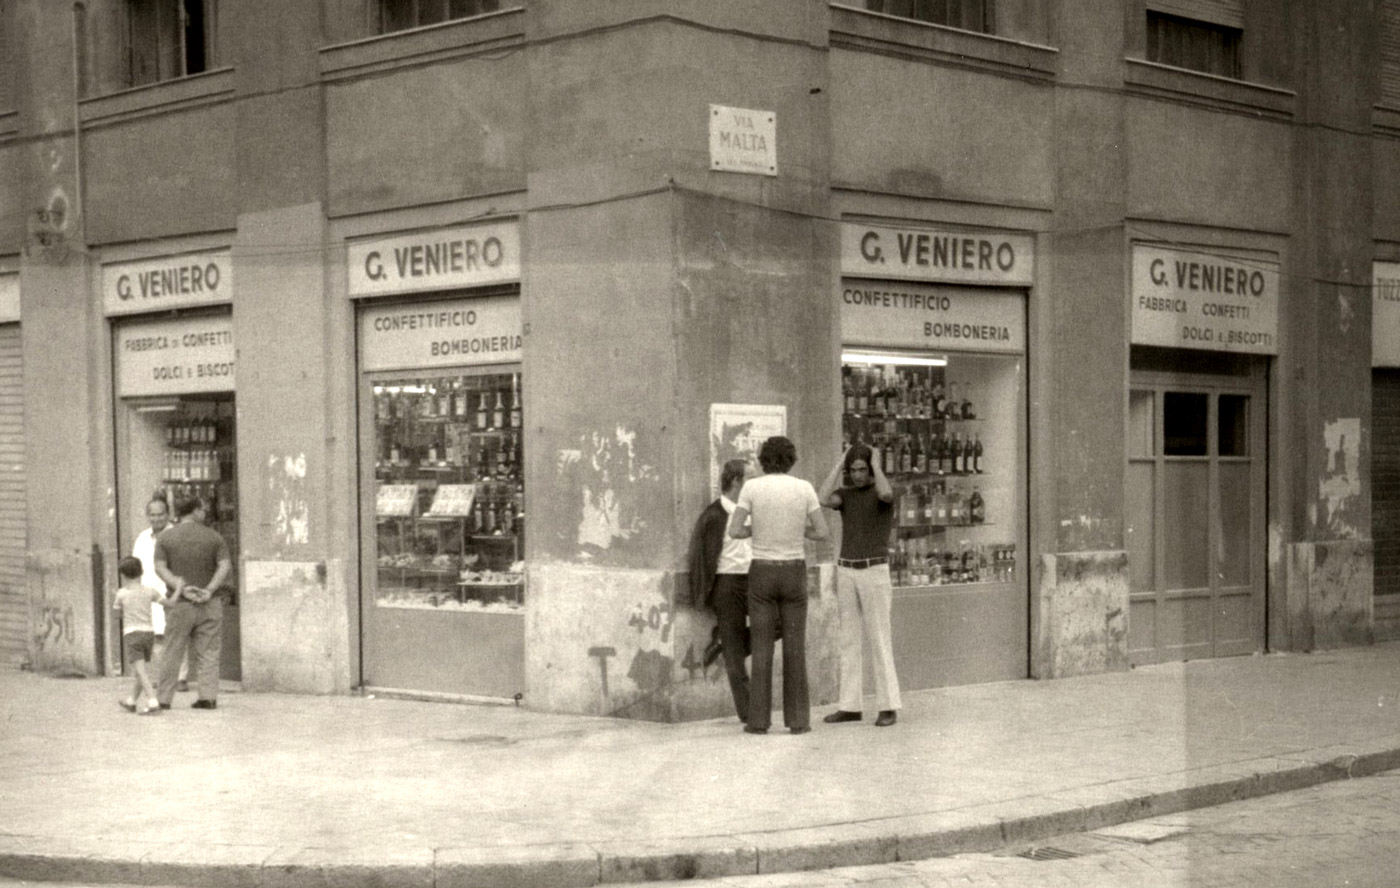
(1229, 13)
(1390, 52)
(1385, 479)
(14, 610)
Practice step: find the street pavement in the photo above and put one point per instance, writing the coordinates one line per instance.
(291, 791)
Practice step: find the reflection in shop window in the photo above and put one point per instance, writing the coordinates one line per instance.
(1233, 435)
(947, 432)
(167, 39)
(449, 499)
(399, 15)
(969, 15)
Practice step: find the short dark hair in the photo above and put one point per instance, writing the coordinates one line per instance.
(860, 452)
(129, 568)
(734, 470)
(186, 505)
(778, 454)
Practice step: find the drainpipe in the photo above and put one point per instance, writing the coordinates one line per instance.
(80, 221)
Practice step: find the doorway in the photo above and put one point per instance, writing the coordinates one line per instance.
(1196, 487)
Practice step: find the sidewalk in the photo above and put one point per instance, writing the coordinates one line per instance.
(288, 791)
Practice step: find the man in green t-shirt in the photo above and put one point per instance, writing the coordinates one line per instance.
(193, 561)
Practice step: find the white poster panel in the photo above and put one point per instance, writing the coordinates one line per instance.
(1385, 314)
(441, 259)
(186, 281)
(1207, 301)
(737, 431)
(178, 356)
(921, 254)
(9, 298)
(450, 333)
(918, 316)
(743, 140)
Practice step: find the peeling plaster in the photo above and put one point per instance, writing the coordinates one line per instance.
(1341, 481)
(1344, 311)
(609, 472)
(286, 481)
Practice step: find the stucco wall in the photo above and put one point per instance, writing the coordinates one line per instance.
(895, 130)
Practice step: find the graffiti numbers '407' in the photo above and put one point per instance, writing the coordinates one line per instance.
(657, 618)
(54, 626)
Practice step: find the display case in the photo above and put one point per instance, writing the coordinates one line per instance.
(945, 429)
(449, 493)
(199, 458)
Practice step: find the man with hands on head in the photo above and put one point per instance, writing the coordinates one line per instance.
(194, 562)
(863, 588)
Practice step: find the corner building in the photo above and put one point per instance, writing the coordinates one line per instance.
(454, 309)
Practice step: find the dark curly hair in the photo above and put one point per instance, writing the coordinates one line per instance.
(778, 454)
(860, 452)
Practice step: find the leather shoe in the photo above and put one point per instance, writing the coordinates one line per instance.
(205, 704)
(713, 649)
(842, 715)
(800, 730)
(750, 729)
(887, 718)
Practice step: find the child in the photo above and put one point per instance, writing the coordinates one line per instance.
(134, 600)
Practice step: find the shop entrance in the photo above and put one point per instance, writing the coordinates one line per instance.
(1196, 511)
(14, 602)
(182, 446)
(1385, 498)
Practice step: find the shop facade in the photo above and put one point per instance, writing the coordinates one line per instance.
(1385, 453)
(480, 368)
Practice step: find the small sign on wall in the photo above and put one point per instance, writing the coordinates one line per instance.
(737, 431)
(166, 282)
(9, 298)
(1385, 314)
(743, 140)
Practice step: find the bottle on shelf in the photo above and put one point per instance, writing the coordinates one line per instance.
(515, 401)
(966, 407)
(977, 453)
(906, 457)
(460, 407)
(976, 508)
(848, 391)
(483, 414)
(498, 411)
(955, 454)
(940, 453)
(920, 456)
(940, 400)
(953, 410)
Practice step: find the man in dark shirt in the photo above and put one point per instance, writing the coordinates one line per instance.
(194, 562)
(863, 589)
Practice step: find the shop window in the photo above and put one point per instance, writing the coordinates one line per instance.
(969, 15)
(1233, 434)
(449, 502)
(399, 15)
(167, 39)
(947, 433)
(1184, 419)
(1195, 45)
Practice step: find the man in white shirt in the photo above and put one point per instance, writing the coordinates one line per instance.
(775, 512)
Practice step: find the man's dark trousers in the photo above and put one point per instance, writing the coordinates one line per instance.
(731, 602)
(778, 597)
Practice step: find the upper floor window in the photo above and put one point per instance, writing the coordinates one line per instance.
(170, 38)
(970, 15)
(1196, 45)
(398, 15)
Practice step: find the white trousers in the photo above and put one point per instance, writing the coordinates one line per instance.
(863, 598)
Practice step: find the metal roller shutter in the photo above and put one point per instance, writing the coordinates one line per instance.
(1385, 480)
(14, 611)
(1229, 13)
(1390, 52)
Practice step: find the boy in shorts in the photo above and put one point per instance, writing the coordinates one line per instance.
(134, 601)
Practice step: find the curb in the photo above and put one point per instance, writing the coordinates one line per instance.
(968, 830)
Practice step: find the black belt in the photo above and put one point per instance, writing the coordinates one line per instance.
(779, 562)
(862, 562)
